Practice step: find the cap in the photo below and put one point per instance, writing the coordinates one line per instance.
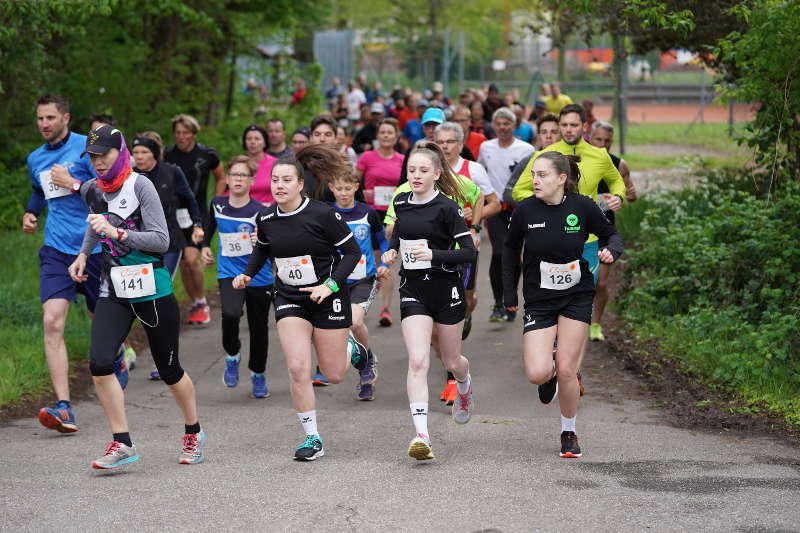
(539, 103)
(377, 107)
(433, 114)
(100, 140)
(437, 87)
(427, 94)
(422, 103)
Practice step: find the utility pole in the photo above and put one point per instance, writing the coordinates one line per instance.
(621, 88)
(461, 62)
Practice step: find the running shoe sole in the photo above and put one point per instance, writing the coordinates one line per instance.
(122, 462)
(51, 422)
(420, 450)
(312, 458)
(194, 460)
(570, 455)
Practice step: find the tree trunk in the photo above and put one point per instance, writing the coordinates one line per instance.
(231, 82)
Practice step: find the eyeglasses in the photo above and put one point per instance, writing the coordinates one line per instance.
(242, 176)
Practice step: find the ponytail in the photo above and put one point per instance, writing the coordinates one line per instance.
(324, 163)
(448, 182)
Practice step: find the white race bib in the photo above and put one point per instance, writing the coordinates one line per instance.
(559, 277)
(409, 262)
(296, 270)
(50, 189)
(184, 220)
(235, 244)
(602, 200)
(383, 196)
(360, 271)
(133, 281)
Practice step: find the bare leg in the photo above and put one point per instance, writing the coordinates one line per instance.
(112, 398)
(331, 346)
(192, 273)
(417, 331)
(537, 354)
(183, 392)
(295, 336)
(569, 355)
(448, 338)
(54, 317)
(359, 328)
(387, 289)
(601, 294)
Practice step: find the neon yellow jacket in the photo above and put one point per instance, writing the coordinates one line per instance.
(469, 190)
(595, 166)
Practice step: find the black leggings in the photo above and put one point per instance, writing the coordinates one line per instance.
(258, 301)
(161, 321)
(498, 227)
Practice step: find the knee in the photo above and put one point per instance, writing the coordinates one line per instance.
(418, 365)
(565, 372)
(101, 368)
(538, 377)
(52, 323)
(298, 372)
(171, 375)
(358, 323)
(335, 377)
(230, 318)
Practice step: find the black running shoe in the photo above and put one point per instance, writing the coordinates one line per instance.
(310, 450)
(569, 445)
(510, 316)
(498, 314)
(467, 327)
(548, 391)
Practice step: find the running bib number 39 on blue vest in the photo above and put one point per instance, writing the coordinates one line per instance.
(133, 281)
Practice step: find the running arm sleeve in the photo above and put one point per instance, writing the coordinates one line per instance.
(36, 202)
(352, 254)
(153, 236)
(210, 226)
(512, 181)
(464, 254)
(183, 190)
(511, 248)
(261, 252)
(89, 241)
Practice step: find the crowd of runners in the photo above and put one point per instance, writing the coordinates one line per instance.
(379, 194)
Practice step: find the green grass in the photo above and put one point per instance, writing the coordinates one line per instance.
(712, 136)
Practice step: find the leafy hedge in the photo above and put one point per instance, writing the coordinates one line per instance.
(716, 279)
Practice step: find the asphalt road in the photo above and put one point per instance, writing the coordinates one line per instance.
(500, 472)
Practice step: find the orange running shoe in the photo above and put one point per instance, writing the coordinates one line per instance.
(450, 392)
(200, 315)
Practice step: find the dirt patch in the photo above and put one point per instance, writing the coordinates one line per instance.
(676, 150)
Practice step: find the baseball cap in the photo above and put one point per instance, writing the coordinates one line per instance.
(437, 87)
(538, 103)
(433, 114)
(377, 107)
(100, 140)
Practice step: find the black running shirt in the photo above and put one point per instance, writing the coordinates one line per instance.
(553, 237)
(439, 225)
(306, 245)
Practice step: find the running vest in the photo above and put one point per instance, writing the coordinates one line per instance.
(464, 171)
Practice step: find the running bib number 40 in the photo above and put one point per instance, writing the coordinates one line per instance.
(559, 277)
(409, 261)
(296, 270)
(134, 281)
(235, 244)
(50, 189)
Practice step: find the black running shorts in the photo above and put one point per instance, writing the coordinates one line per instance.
(332, 313)
(544, 314)
(363, 292)
(442, 299)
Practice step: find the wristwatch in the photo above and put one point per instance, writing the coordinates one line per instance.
(76, 185)
(476, 227)
(332, 285)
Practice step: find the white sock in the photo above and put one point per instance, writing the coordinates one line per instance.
(463, 386)
(201, 301)
(419, 415)
(309, 421)
(568, 424)
(237, 357)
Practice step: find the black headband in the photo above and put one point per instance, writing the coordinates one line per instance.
(150, 144)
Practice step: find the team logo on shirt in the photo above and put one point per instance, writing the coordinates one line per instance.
(219, 208)
(534, 226)
(361, 232)
(244, 228)
(338, 216)
(572, 224)
(460, 212)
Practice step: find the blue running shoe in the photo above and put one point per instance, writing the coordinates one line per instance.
(319, 380)
(192, 448)
(366, 392)
(120, 368)
(61, 418)
(369, 374)
(231, 375)
(310, 450)
(154, 375)
(260, 389)
(358, 353)
(116, 454)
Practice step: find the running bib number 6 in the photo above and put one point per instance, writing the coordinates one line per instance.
(235, 244)
(409, 261)
(559, 277)
(133, 281)
(296, 270)
(50, 189)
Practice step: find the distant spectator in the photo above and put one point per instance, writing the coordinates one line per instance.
(410, 112)
(364, 140)
(412, 132)
(493, 102)
(300, 138)
(523, 131)
(539, 110)
(299, 92)
(99, 119)
(344, 147)
(333, 93)
(355, 99)
(478, 123)
(376, 93)
(339, 111)
(555, 101)
(588, 106)
(276, 137)
(472, 139)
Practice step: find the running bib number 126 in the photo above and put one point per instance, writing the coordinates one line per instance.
(133, 281)
(296, 270)
(559, 277)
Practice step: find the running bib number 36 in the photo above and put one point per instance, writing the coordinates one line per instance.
(559, 277)
(296, 270)
(409, 261)
(134, 281)
(235, 244)
(50, 189)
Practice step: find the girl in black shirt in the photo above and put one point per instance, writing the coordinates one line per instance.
(312, 305)
(428, 226)
(558, 287)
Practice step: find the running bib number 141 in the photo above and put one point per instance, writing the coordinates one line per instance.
(559, 277)
(134, 281)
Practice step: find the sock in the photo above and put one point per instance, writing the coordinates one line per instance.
(64, 404)
(254, 374)
(309, 421)
(419, 415)
(463, 386)
(568, 424)
(192, 429)
(450, 376)
(124, 438)
(237, 357)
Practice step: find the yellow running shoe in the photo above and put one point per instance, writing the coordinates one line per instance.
(596, 332)
(420, 448)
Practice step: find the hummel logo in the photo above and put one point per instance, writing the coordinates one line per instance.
(408, 299)
(534, 226)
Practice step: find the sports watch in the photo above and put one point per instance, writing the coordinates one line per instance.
(332, 285)
(476, 227)
(76, 185)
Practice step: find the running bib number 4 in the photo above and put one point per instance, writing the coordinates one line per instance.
(559, 277)
(383, 196)
(133, 281)
(50, 189)
(183, 218)
(235, 244)
(296, 270)
(409, 261)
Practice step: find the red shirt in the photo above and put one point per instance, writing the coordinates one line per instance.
(298, 96)
(474, 142)
(404, 116)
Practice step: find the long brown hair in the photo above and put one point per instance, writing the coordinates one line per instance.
(565, 164)
(448, 182)
(324, 163)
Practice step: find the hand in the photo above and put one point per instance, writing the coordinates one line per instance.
(605, 256)
(369, 195)
(614, 203)
(514, 308)
(29, 223)
(476, 238)
(197, 235)
(207, 256)
(241, 281)
(61, 177)
(254, 238)
(630, 194)
(422, 253)
(318, 293)
(467, 212)
(388, 257)
(384, 272)
(77, 268)
(101, 226)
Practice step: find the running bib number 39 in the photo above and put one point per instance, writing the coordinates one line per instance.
(296, 270)
(133, 281)
(383, 196)
(409, 261)
(559, 277)
(50, 189)
(235, 244)
(183, 218)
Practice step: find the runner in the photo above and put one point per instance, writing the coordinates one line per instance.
(235, 218)
(127, 217)
(381, 169)
(557, 284)
(603, 136)
(276, 134)
(254, 143)
(428, 225)
(300, 139)
(362, 282)
(473, 140)
(56, 169)
(500, 156)
(346, 151)
(312, 304)
(547, 134)
(478, 123)
(196, 161)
